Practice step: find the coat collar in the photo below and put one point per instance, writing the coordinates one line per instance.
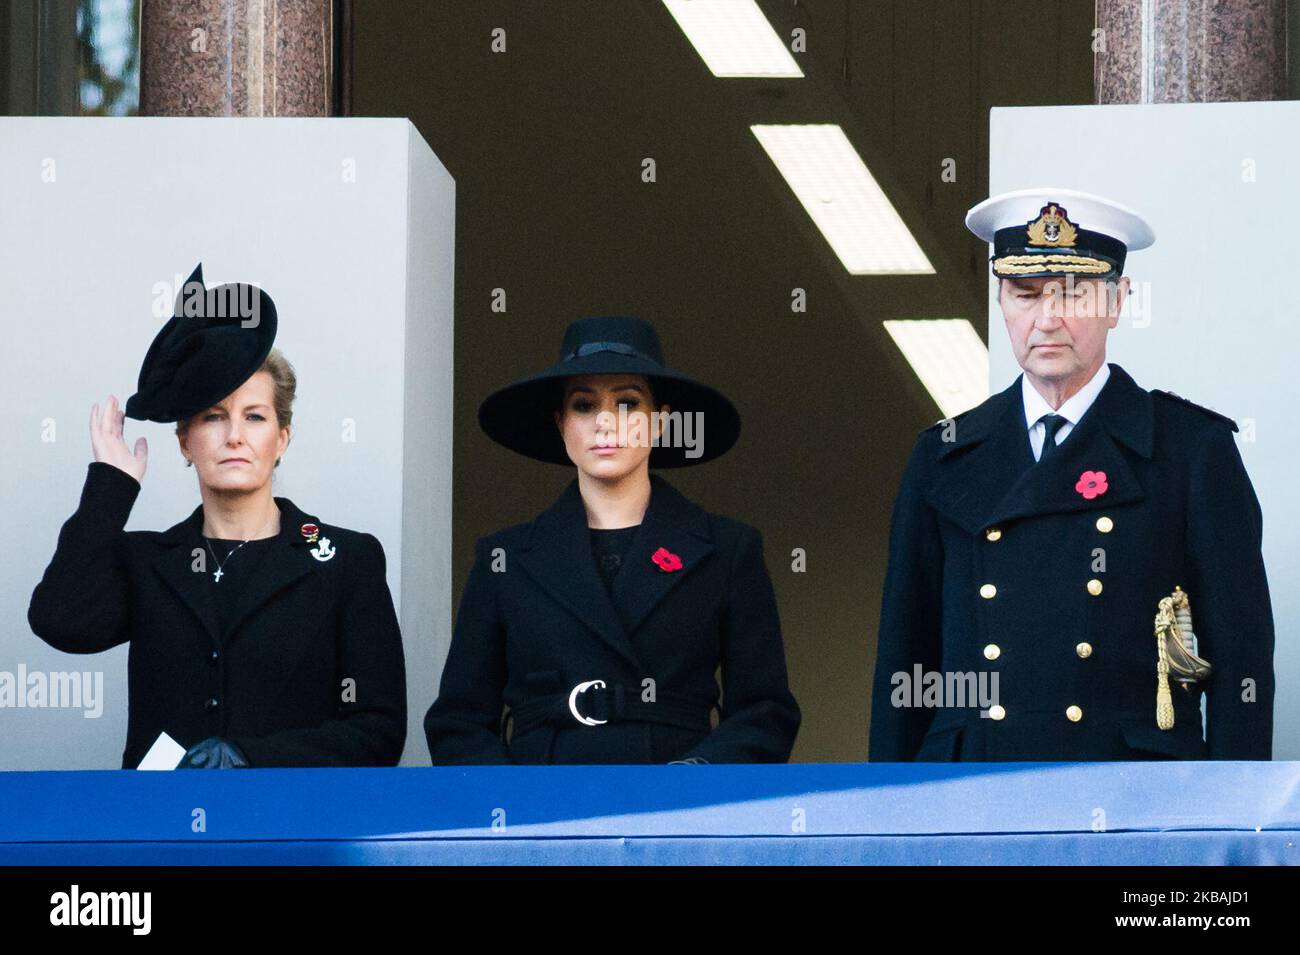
(987, 473)
(290, 559)
(1072, 409)
(557, 555)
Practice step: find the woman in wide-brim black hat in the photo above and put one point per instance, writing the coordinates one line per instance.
(258, 636)
(599, 626)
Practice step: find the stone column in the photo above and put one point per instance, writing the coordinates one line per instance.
(1190, 51)
(237, 57)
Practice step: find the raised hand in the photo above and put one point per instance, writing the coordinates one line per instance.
(107, 442)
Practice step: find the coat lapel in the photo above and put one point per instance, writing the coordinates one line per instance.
(675, 524)
(988, 475)
(1121, 414)
(558, 557)
(988, 453)
(287, 560)
(175, 565)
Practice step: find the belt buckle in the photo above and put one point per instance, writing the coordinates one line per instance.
(573, 702)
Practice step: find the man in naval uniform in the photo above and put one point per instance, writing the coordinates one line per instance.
(1058, 541)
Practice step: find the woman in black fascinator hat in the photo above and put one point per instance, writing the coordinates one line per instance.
(258, 635)
(600, 625)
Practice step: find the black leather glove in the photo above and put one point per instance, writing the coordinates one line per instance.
(689, 761)
(213, 753)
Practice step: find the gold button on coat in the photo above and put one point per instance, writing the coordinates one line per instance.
(1094, 586)
(987, 591)
(992, 651)
(996, 712)
(1074, 714)
(993, 534)
(1105, 525)
(1084, 650)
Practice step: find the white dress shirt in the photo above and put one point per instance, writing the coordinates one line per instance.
(1071, 410)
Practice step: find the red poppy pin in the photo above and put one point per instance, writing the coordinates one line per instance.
(1091, 484)
(667, 560)
(310, 532)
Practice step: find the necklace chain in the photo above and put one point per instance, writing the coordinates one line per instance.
(221, 564)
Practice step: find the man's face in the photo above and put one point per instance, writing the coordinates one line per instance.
(1058, 324)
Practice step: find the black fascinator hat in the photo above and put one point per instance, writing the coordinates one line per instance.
(216, 339)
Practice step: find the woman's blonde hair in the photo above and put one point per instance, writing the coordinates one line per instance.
(285, 381)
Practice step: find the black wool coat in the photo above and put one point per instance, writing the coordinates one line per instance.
(274, 683)
(535, 624)
(997, 564)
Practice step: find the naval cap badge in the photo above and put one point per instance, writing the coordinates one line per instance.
(1052, 227)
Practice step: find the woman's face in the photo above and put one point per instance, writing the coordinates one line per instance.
(235, 443)
(607, 425)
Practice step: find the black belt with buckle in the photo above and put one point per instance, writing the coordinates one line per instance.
(594, 703)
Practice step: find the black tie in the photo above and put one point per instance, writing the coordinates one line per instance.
(1052, 423)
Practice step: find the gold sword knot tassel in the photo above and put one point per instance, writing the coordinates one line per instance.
(1176, 652)
(1164, 701)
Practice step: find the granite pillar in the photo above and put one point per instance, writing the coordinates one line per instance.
(1189, 51)
(237, 57)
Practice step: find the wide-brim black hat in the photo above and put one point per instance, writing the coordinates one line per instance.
(216, 339)
(520, 416)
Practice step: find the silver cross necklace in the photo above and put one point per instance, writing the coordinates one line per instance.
(222, 563)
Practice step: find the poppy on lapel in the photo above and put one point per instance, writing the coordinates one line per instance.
(666, 560)
(1091, 484)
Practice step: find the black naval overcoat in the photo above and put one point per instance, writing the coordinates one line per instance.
(535, 624)
(273, 684)
(999, 565)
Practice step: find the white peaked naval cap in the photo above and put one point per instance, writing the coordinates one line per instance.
(1052, 231)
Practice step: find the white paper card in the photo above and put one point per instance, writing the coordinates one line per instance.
(165, 753)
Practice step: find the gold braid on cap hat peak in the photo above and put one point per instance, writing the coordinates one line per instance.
(1022, 264)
